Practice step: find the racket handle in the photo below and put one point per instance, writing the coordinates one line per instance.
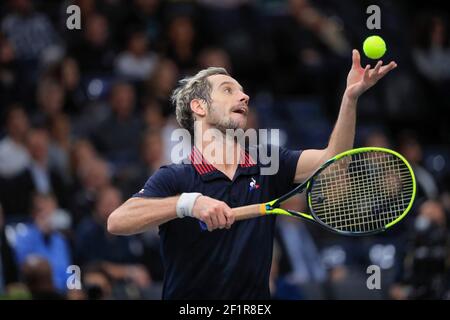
(250, 211)
(242, 213)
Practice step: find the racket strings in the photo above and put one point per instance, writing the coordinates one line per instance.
(362, 192)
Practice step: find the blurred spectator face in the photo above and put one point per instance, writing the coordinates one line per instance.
(438, 31)
(152, 147)
(377, 139)
(434, 212)
(153, 116)
(138, 44)
(165, 78)
(147, 7)
(70, 73)
(38, 145)
(108, 200)
(37, 274)
(86, 6)
(411, 150)
(97, 285)
(44, 207)
(60, 129)
(96, 30)
(6, 51)
(82, 154)
(215, 57)
(95, 175)
(181, 31)
(297, 6)
(22, 6)
(17, 123)
(122, 100)
(51, 97)
(252, 120)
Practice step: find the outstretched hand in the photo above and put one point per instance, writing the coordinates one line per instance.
(360, 79)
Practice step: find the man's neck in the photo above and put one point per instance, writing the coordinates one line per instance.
(223, 154)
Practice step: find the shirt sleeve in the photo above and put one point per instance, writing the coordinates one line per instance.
(161, 184)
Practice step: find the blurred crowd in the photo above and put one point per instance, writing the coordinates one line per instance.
(86, 119)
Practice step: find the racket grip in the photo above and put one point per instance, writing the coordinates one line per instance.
(242, 213)
(250, 211)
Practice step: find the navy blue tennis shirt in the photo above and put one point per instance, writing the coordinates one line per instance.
(225, 263)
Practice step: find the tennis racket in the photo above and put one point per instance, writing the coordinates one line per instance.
(358, 192)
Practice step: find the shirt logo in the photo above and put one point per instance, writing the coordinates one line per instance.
(253, 185)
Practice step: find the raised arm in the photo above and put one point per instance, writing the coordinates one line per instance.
(342, 138)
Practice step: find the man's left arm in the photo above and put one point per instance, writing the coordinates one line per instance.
(358, 81)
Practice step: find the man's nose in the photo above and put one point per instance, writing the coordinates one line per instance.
(244, 98)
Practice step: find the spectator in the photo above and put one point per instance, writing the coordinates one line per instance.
(116, 136)
(37, 274)
(153, 115)
(60, 145)
(119, 256)
(425, 272)
(377, 138)
(50, 100)
(136, 63)
(9, 273)
(14, 156)
(38, 177)
(93, 175)
(182, 46)
(94, 53)
(214, 57)
(67, 74)
(45, 179)
(30, 32)
(432, 52)
(40, 238)
(162, 83)
(411, 149)
(97, 283)
(152, 157)
(9, 77)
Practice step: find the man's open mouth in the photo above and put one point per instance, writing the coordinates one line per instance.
(241, 110)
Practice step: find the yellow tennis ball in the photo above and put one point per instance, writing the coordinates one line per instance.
(374, 47)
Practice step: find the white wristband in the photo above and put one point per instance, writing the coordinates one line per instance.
(185, 204)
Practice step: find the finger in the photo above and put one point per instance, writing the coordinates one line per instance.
(356, 58)
(230, 217)
(209, 223)
(377, 67)
(385, 69)
(215, 221)
(222, 219)
(374, 73)
(366, 73)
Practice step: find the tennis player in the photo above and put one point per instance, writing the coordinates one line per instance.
(229, 260)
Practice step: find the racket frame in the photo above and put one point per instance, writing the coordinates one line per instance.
(273, 207)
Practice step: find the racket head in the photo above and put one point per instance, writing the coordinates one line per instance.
(362, 191)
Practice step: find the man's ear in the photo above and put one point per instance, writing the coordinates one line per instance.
(198, 107)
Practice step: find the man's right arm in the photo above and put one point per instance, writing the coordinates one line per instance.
(137, 215)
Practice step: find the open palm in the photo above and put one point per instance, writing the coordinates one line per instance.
(360, 79)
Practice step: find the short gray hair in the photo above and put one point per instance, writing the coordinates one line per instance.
(195, 87)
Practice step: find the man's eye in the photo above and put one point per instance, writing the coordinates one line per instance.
(228, 90)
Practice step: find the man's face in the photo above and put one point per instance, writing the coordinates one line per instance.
(229, 104)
